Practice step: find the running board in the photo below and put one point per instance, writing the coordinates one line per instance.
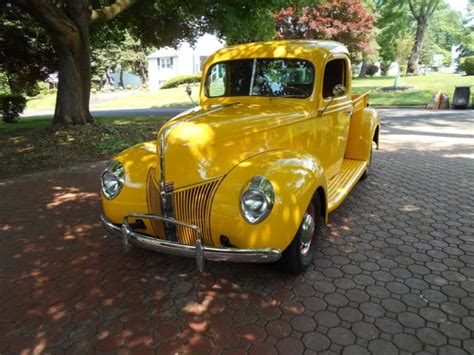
(341, 184)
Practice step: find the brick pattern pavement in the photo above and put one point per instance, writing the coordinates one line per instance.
(395, 273)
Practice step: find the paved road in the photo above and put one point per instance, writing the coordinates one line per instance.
(395, 273)
(159, 112)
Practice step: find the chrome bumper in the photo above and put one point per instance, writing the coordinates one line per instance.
(198, 251)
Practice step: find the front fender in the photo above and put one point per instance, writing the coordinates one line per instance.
(137, 161)
(363, 130)
(295, 177)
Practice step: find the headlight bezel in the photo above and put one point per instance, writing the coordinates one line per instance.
(260, 187)
(113, 170)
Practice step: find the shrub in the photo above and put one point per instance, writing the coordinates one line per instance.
(129, 87)
(93, 90)
(403, 69)
(43, 87)
(11, 106)
(180, 80)
(467, 65)
(372, 69)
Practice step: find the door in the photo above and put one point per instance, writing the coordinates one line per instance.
(335, 112)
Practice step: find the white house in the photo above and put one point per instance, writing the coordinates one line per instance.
(168, 62)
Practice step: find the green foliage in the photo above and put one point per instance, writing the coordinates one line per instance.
(123, 52)
(467, 65)
(43, 88)
(180, 80)
(26, 51)
(11, 106)
(169, 22)
(445, 30)
(395, 27)
(4, 88)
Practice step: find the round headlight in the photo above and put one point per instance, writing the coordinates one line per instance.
(257, 200)
(112, 179)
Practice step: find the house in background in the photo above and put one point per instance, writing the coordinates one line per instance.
(168, 62)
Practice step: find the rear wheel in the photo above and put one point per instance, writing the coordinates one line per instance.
(300, 253)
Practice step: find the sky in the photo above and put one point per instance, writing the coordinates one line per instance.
(459, 5)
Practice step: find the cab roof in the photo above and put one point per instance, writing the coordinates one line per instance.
(304, 49)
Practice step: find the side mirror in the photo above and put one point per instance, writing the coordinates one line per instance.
(338, 90)
(188, 90)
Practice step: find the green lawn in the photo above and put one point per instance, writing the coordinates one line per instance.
(34, 144)
(136, 99)
(424, 87)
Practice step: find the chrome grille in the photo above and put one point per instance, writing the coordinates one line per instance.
(193, 206)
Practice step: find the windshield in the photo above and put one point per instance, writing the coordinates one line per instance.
(260, 77)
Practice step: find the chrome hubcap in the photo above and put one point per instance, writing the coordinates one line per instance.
(307, 231)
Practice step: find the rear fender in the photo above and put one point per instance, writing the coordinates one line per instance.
(295, 177)
(364, 129)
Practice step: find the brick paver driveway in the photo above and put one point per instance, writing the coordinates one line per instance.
(394, 274)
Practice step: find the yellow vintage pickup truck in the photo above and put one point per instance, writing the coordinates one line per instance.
(277, 142)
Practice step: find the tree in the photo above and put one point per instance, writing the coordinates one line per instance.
(421, 10)
(340, 20)
(467, 47)
(67, 23)
(128, 53)
(25, 53)
(394, 28)
(445, 31)
(70, 23)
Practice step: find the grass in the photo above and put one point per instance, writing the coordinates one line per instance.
(135, 99)
(33, 144)
(424, 87)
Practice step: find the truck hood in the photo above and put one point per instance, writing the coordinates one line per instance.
(204, 143)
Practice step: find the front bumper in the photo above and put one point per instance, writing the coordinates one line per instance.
(198, 251)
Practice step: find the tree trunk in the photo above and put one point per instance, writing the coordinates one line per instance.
(72, 102)
(142, 71)
(417, 46)
(73, 51)
(363, 70)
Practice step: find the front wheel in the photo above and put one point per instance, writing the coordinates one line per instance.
(300, 253)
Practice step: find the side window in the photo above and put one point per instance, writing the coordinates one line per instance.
(334, 74)
(216, 80)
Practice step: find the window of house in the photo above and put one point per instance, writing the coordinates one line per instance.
(334, 74)
(165, 62)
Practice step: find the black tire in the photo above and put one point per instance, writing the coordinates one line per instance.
(366, 173)
(298, 256)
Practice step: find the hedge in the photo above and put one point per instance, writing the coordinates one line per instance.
(372, 69)
(468, 65)
(180, 80)
(11, 106)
